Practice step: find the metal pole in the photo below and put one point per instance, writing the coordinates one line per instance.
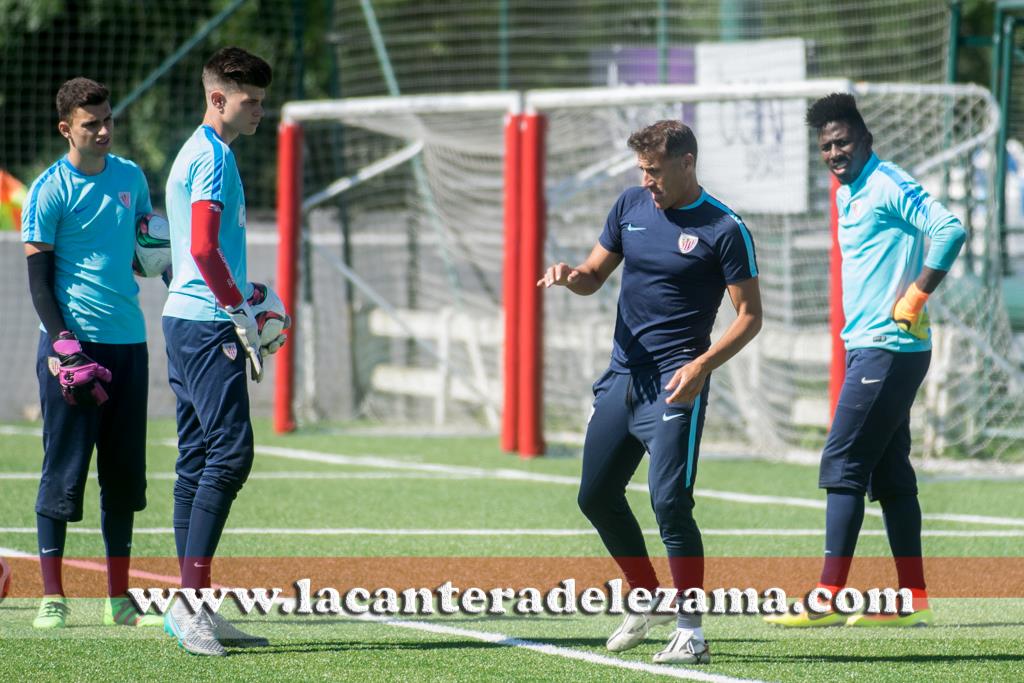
(338, 135)
(1006, 57)
(997, 50)
(298, 35)
(503, 45)
(380, 48)
(662, 30)
(730, 22)
(953, 54)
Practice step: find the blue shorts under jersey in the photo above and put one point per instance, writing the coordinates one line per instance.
(884, 216)
(204, 170)
(676, 265)
(90, 221)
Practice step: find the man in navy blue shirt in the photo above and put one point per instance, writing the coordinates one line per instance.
(682, 250)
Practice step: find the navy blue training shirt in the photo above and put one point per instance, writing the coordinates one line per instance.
(676, 265)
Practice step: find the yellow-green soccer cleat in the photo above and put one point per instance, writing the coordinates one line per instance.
(121, 611)
(807, 620)
(53, 612)
(919, 618)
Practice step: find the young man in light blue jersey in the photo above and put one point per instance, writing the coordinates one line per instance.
(78, 227)
(681, 251)
(887, 275)
(211, 331)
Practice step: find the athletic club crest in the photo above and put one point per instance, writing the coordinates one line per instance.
(687, 243)
(230, 350)
(53, 364)
(126, 199)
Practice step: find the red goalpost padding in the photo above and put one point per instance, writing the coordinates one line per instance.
(289, 214)
(532, 213)
(510, 283)
(837, 320)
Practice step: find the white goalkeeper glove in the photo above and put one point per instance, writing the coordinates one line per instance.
(248, 333)
(275, 344)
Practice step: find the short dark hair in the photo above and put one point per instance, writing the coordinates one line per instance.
(838, 106)
(233, 66)
(79, 92)
(668, 137)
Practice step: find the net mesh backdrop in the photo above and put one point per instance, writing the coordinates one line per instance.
(425, 236)
(418, 268)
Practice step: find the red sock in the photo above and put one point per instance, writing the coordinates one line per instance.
(117, 575)
(920, 601)
(52, 566)
(834, 590)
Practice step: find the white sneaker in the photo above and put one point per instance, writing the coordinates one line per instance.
(228, 634)
(194, 632)
(634, 629)
(683, 648)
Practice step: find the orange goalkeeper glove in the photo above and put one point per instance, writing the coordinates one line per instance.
(909, 312)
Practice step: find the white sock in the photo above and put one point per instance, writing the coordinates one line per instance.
(694, 633)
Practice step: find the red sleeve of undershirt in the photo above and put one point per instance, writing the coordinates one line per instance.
(208, 256)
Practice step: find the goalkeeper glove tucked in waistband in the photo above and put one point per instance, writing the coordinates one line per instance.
(909, 312)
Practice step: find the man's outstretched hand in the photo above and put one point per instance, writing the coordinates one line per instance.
(559, 274)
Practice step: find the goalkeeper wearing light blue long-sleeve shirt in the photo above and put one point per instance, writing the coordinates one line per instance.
(884, 216)
(888, 273)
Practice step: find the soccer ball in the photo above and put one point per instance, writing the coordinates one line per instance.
(152, 246)
(271, 318)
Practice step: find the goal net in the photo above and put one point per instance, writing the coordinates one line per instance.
(403, 282)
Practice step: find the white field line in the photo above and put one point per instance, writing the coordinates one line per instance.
(94, 566)
(519, 475)
(592, 658)
(945, 470)
(462, 471)
(365, 531)
(171, 476)
(498, 639)
(12, 430)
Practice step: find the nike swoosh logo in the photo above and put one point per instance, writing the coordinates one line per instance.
(45, 551)
(665, 417)
(199, 566)
(865, 380)
(812, 616)
(634, 228)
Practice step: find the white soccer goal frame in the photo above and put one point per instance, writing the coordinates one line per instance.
(523, 113)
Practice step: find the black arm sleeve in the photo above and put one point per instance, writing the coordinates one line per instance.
(42, 267)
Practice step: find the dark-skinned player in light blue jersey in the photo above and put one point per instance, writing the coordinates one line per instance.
(887, 274)
(78, 226)
(211, 332)
(681, 250)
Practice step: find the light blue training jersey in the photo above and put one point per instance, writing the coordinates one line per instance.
(204, 170)
(884, 216)
(90, 221)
